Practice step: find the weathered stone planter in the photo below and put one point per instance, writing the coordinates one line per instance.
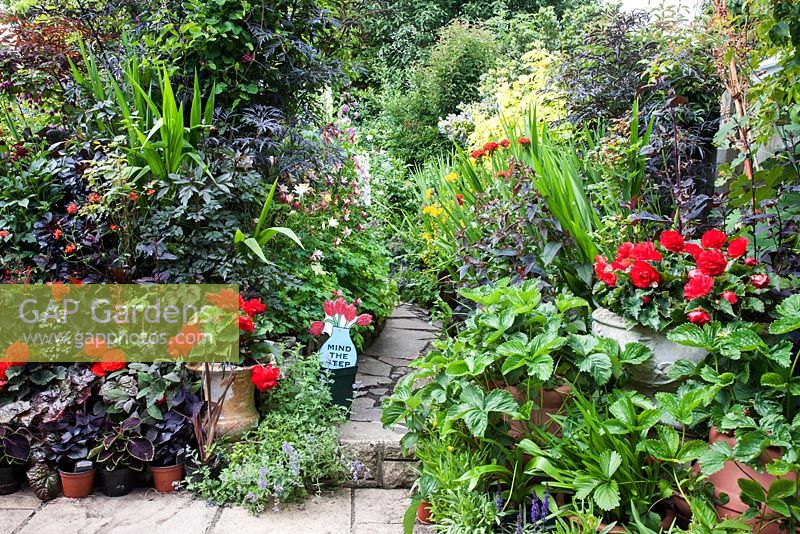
(651, 376)
(232, 385)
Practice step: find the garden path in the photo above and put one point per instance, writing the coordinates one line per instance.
(366, 508)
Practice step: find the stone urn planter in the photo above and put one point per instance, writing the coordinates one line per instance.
(232, 386)
(649, 377)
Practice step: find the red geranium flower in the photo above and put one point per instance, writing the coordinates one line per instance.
(672, 241)
(72, 208)
(699, 317)
(93, 197)
(253, 307)
(646, 251)
(737, 247)
(712, 262)
(730, 296)
(133, 196)
(643, 275)
(478, 154)
(103, 368)
(604, 271)
(490, 147)
(70, 248)
(693, 249)
(623, 259)
(714, 239)
(759, 280)
(265, 377)
(698, 286)
(246, 324)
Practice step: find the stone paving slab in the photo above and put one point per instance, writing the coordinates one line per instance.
(397, 343)
(24, 498)
(329, 513)
(140, 512)
(11, 519)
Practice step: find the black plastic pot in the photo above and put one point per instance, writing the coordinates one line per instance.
(10, 480)
(342, 385)
(116, 483)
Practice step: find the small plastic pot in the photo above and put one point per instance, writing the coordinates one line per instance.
(164, 478)
(77, 485)
(116, 483)
(10, 480)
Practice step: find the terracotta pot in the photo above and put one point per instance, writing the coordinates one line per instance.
(726, 481)
(77, 485)
(239, 413)
(164, 478)
(424, 512)
(549, 402)
(649, 377)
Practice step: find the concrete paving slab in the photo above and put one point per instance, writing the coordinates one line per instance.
(327, 514)
(140, 512)
(405, 344)
(25, 498)
(368, 365)
(380, 506)
(12, 518)
(405, 323)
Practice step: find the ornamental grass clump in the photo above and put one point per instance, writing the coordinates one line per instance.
(673, 281)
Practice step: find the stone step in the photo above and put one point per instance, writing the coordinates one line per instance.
(378, 449)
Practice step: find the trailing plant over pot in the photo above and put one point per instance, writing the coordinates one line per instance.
(121, 449)
(15, 449)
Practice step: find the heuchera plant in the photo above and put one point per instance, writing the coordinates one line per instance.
(672, 281)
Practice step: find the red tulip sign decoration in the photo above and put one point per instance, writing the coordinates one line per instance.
(339, 352)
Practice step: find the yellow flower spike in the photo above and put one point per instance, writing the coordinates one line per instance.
(433, 210)
(429, 193)
(450, 178)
